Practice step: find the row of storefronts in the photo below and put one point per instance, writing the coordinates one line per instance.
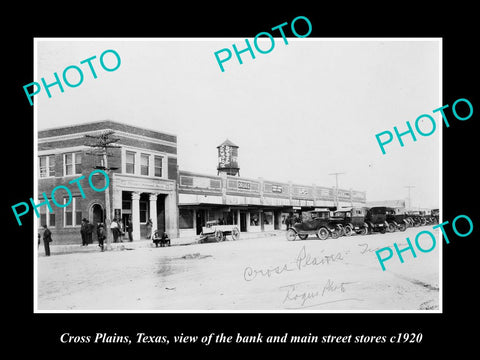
(147, 188)
(252, 204)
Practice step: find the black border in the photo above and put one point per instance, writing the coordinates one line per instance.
(456, 25)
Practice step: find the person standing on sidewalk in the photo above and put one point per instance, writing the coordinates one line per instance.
(100, 235)
(88, 233)
(149, 228)
(83, 232)
(115, 230)
(129, 228)
(47, 239)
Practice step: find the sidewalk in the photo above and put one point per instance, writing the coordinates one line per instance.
(144, 243)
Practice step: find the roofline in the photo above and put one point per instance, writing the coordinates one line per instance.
(106, 120)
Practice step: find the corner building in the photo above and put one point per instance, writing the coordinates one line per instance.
(143, 179)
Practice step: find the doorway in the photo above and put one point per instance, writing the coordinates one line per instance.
(200, 220)
(243, 222)
(96, 216)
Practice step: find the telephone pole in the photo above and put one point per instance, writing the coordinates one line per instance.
(101, 144)
(409, 187)
(336, 186)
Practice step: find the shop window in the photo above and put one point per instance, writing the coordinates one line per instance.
(144, 164)
(185, 219)
(268, 218)
(130, 162)
(254, 219)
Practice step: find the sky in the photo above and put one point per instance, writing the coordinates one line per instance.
(299, 113)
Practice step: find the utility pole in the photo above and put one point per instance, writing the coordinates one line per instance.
(100, 146)
(409, 187)
(336, 186)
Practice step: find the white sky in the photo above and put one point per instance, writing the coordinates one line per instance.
(304, 110)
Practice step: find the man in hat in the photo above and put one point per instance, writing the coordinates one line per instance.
(83, 231)
(47, 239)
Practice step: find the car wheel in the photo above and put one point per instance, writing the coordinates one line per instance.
(347, 230)
(303, 236)
(291, 234)
(383, 230)
(336, 233)
(402, 227)
(322, 233)
(391, 227)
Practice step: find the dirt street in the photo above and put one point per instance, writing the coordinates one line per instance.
(268, 273)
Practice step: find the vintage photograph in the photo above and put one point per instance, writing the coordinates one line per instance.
(168, 183)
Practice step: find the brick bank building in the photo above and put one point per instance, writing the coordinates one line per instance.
(145, 183)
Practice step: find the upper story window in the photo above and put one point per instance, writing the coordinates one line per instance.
(46, 165)
(72, 163)
(158, 166)
(130, 162)
(144, 164)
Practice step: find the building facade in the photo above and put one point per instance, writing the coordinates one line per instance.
(143, 178)
(254, 205)
(145, 183)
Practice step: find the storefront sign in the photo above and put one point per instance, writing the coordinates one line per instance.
(243, 185)
(277, 189)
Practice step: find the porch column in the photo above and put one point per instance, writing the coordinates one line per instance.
(153, 211)
(136, 215)
(238, 219)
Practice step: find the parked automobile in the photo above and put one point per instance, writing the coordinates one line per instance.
(435, 215)
(400, 218)
(315, 223)
(380, 219)
(415, 218)
(351, 220)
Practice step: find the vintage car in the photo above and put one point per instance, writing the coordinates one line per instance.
(315, 223)
(351, 220)
(415, 218)
(381, 219)
(400, 218)
(214, 232)
(435, 214)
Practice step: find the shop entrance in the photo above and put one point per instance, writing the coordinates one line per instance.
(243, 221)
(96, 217)
(200, 220)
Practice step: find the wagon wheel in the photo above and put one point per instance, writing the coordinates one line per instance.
(322, 233)
(303, 236)
(291, 234)
(235, 233)
(219, 236)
